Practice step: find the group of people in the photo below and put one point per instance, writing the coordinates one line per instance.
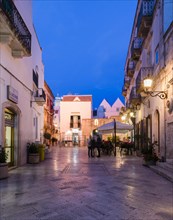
(94, 142)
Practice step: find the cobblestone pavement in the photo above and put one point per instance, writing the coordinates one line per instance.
(70, 186)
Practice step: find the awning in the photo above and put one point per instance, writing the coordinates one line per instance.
(120, 128)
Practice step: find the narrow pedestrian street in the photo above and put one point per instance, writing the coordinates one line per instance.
(70, 186)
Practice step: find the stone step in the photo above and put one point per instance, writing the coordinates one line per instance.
(169, 161)
(163, 172)
(166, 166)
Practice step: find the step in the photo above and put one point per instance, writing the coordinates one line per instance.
(169, 161)
(163, 172)
(166, 166)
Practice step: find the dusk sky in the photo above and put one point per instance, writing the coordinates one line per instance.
(85, 45)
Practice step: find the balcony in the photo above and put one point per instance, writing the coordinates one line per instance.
(131, 68)
(124, 92)
(145, 17)
(136, 48)
(13, 30)
(127, 81)
(134, 97)
(143, 73)
(127, 104)
(40, 97)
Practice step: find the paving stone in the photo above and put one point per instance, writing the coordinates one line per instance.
(106, 188)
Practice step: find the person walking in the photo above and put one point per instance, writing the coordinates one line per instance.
(99, 143)
(91, 145)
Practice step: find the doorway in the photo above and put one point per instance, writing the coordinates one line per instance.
(156, 129)
(9, 135)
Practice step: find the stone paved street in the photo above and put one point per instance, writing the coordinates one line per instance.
(70, 186)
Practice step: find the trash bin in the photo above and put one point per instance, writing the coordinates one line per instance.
(41, 152)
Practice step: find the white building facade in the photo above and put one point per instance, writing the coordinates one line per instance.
(21, 81)
(150, 54)
(73, 109)
(105, 110)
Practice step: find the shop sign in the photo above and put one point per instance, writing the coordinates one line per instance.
(12, 94)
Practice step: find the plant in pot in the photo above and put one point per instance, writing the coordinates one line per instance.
(33, 153)
(3, 164)
(149, 155)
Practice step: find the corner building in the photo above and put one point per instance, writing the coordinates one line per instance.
(150, 54)
(21, 80)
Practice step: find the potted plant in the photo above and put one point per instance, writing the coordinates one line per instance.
(3, 164)
(33, 153)
(149, 155)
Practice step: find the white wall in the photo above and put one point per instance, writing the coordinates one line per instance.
(17, 72)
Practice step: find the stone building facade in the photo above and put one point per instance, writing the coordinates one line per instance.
(150, 55)
(21, 81)
(49, 132)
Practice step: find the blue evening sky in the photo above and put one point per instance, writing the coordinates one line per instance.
(85, 45)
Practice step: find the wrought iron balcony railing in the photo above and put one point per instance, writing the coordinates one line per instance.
(127, 81)
(136, 48)
(134, 98)
(131, 68)
(16, 24)
(124, 92)
(143, 73)
(145, 17)
(128, 105)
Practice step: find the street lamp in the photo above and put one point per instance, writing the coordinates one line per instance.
(147, 86)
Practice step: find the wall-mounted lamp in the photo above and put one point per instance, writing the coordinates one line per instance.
(147, 85)
(132, 114)
(123, 117)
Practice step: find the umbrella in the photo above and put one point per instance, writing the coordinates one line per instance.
(120, 127)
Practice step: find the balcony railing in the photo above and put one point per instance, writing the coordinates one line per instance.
(136, 48)
(134, 97)
(16, 24)
(40, 96)
(145, 17)
(124, 91)
(131, 68)
(127, 81)
(128, 105)
(143, 73)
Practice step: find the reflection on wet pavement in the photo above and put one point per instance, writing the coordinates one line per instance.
(69, 185)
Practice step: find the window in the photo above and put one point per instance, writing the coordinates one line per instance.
(96, 122)
(117, 109)
(75, 121)
(157, 56)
